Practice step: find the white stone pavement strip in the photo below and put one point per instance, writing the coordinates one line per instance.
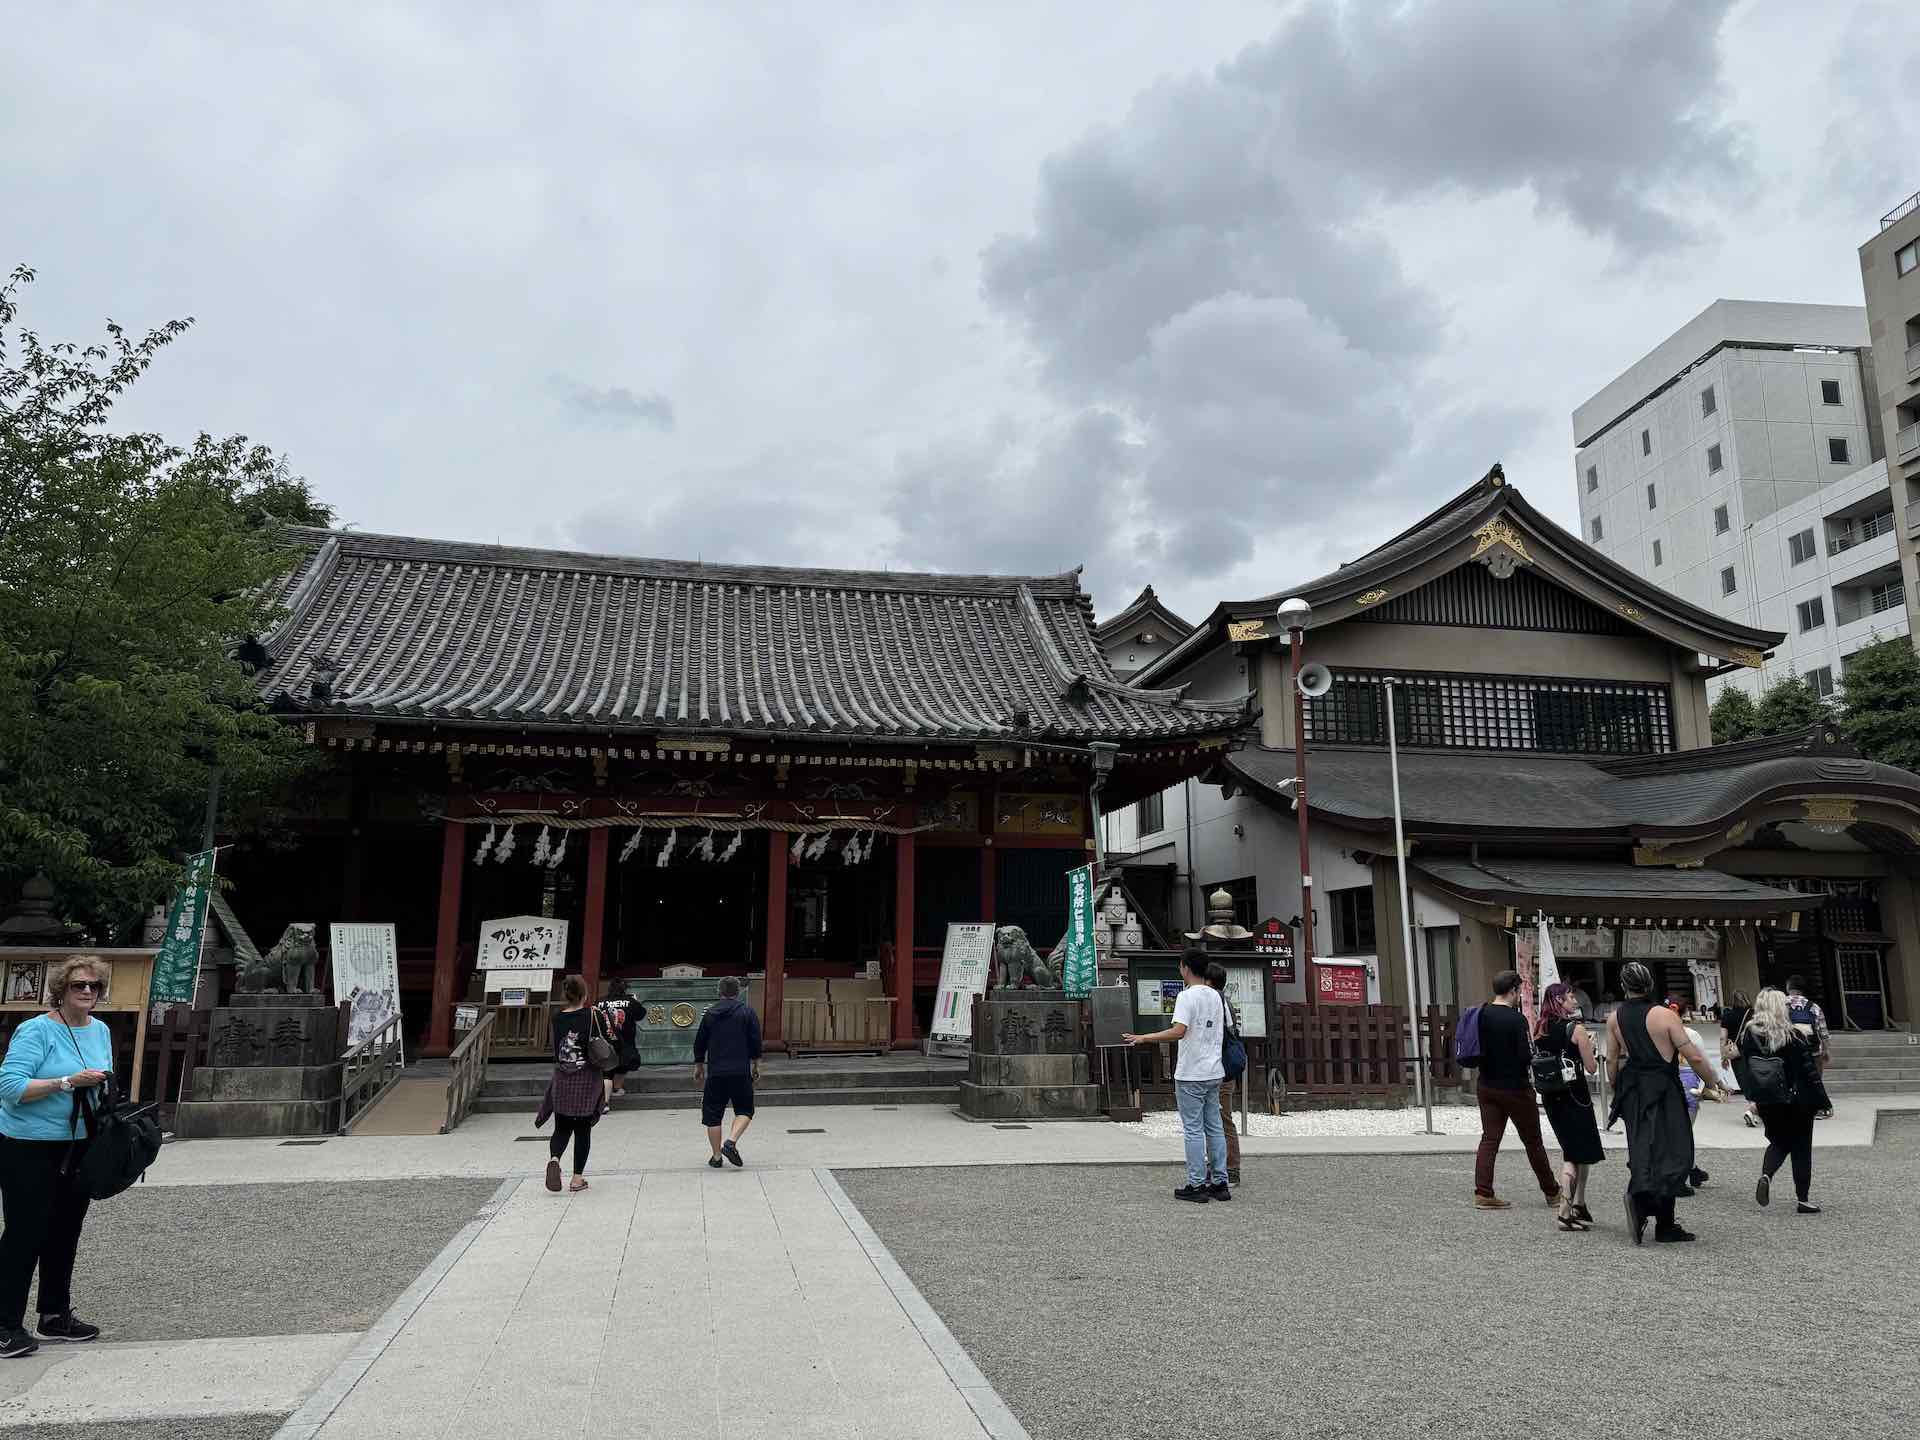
(711, 1305)
(186, 1379)
(855, 1137)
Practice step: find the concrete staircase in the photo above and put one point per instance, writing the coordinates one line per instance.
(1874, 1063)
(906, 1079)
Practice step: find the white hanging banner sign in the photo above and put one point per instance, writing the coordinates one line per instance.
(964, 965)
(366, 977)
(523, 942)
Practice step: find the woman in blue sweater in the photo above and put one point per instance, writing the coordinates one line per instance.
(51, 1058)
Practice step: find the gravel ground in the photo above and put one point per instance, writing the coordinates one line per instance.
(196, 1262)
(227, 1427)
(1447, 1119)
(1363, 1296)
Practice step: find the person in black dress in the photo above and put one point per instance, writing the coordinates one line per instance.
(1647, 1043)
(1788, 1110)
(1733, 1019)
(1570, 1111)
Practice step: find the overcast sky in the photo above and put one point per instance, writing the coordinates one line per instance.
(1210, 296)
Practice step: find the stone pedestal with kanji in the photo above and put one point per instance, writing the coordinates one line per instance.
(272, 1068)
(1029, 1059)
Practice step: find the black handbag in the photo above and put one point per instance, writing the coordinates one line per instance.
(122, 1139)
(600, 1052)
(1552, 1073)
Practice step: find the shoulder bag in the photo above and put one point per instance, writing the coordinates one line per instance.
(1553, 1072)
(600, 1052)
(1766, 1078)
(1233, 1050)
(122, 1140)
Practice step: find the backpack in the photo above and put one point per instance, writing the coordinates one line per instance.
(1233, 1050)
(1466, 1038)
(123, 1141)
(1767, 1079)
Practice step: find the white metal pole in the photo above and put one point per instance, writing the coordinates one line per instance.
(1406, 918)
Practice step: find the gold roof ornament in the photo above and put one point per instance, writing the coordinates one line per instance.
(1752, 659)
(1506, 544)
(1242, 630)
(1829, 815)
(1372, 597)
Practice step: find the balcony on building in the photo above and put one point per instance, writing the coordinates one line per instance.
(1874, 599)
(1906, 438)
(1913, 347)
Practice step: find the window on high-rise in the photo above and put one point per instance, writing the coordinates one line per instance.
(1653, 500)
(1593, 478)
(1812, 614)
(1821, 681)
(1729, 583)
(1721, 524)
(1801, 547)
(1837, 449)
(1707, 403)
(1646, 442)
(1906, 258)
(1599, 531)
(1829, 392)
(1658, 559)
(1714, 462)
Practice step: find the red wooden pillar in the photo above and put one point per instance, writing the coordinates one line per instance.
(773, 998)
(903, 851)
(593, 933)
(446, 947)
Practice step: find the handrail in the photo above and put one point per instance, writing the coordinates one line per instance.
(1906, 206)
(468, 1065)
(373, 1065)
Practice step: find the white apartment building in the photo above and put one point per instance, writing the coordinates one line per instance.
(1741, 465)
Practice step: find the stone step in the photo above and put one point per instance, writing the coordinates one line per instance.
(677, 1079)
(1868, 1074)
(948, 1095)
(1838, 1086)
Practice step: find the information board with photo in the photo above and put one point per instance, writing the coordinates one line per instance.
(366, 977)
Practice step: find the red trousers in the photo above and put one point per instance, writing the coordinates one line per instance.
(1497, 1107)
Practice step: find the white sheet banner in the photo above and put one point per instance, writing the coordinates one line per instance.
(366, 976)
(523, 942)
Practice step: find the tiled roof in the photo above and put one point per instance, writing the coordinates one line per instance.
(1146, 606)
(1629, 890)
(425, 630)
(1545, 795)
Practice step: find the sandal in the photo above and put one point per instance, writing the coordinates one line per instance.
(1570, 1224)
(577, 1184)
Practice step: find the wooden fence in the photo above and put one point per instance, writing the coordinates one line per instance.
(1358, 1051)
(468, 1067)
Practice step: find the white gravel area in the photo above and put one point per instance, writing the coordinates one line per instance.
(1447, 1119)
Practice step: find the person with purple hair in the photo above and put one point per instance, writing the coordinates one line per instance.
(1561, 1034)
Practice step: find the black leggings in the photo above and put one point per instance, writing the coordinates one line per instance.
(1790, 1136)
(579, 1129)
(45, 1209)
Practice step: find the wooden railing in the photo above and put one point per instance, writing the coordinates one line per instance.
(1359, 1050)
(368, 1071)
(469, 1071)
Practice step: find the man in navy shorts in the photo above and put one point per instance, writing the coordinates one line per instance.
(726, 1062)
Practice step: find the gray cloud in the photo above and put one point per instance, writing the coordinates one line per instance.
(613, 405)
(1207, 268)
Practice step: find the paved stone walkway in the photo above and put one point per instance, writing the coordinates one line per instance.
(713, 1306)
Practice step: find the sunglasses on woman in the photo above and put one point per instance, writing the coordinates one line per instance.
(91, 986)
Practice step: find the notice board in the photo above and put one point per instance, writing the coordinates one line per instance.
(964, 967)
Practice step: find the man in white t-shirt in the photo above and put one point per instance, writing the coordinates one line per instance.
(1198, 1025)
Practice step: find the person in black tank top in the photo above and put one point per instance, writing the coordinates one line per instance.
(1648, 1097)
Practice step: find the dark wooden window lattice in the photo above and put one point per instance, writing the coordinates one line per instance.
(1495, 712)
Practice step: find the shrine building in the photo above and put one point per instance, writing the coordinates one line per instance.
(778, 774)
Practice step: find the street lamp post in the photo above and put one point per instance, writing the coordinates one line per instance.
(1293, 615)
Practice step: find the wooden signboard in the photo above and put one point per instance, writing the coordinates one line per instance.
(129, 980)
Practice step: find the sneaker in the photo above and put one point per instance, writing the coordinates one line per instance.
(1806, 1207)
(16, 1344)
(1753, 1122)
(67, 1327)
(713, 1162)
(1220, 1190)
(732, 1152)
(1675, 1236)
(1683, 1192)
(1196, 1193)
(1826, 1114)
(553, 1176)
(1491, 1202)
(1763, 1190)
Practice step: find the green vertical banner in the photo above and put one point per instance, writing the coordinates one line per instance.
(1081, 970)
(176, 969)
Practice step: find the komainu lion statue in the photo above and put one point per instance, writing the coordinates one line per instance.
(1016, 964)
(289, 965)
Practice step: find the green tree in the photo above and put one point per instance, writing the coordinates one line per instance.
(1789, 705)
(1734, 716)
(129, 568)
(1881, 688)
